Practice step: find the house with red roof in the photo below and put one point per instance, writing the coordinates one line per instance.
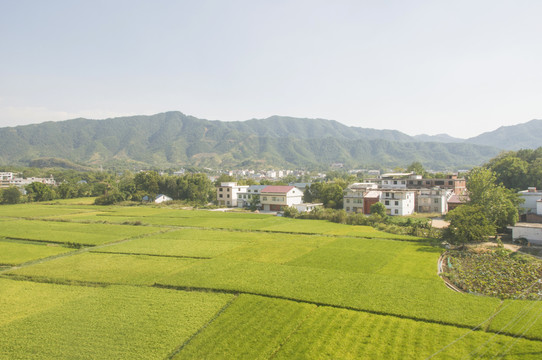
(278, 197)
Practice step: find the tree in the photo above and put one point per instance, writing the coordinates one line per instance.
(67, 190)
(511, 171)
(468, 223)
(147, 182)
(417, 168)
(11, 195)
(254, 202)
(500, 205)
(40, 192)
(378, 208)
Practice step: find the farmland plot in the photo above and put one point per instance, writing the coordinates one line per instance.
(397, 295)
(343, 334)
(66, 232)
(40, 210)
(14, 253)
(106, 268)
(118, 322)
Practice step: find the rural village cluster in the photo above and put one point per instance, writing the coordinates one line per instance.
(401, 193)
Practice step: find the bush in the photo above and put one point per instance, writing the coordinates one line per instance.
(109, 199)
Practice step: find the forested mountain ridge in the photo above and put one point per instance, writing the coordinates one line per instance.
(174, 139)
(516, 137)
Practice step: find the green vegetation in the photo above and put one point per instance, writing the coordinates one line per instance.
(118, 322)
(174, 139)
(157, 282)
(14, 253)
(496, 273)
(70, 233)
(518, 170)
(490, 208)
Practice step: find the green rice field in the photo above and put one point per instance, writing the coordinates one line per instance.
(79, 281)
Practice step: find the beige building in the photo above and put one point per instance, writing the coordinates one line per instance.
(227, 193)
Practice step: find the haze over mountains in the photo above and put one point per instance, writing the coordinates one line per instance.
(173, 139)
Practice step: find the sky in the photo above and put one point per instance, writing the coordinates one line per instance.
(457, 67)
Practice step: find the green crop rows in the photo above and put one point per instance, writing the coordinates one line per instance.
(148, 282)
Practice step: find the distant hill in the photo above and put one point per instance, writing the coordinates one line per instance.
(516, 137)
(174, 139)
(445, 138)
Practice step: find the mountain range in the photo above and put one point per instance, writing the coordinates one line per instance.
(173, 139)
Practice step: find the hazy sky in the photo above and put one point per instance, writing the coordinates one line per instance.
(456, 67)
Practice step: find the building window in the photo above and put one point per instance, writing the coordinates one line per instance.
(228, 196)
(436, 201)
(348, 201)
(264, 198)
(396, 211)
(396, 203)
(220, 189)
(219, 195)
(387, 202)
(395, 182)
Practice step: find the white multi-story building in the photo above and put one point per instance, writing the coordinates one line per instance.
(5, 179)
(277, 197)
(227, 193)
(251, 193)
(433, 200)
(398, 201)
(23, 182)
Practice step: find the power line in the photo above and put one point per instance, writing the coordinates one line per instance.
(482, 323)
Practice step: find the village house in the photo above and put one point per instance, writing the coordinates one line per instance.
(359, 197)
(451, 182)
(161, 198)
(307, 207)
(278, 197)
(434, 200)
(251, 193)
(530, 198)
(8, 179)
(227, 193)
(398, 201)
(530, 225)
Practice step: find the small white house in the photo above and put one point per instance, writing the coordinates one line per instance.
(530, 231)
(307, 207)
(530, 197)
(161, 198)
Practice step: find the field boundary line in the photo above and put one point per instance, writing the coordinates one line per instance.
(85, 248)
(200, 330)
(157, 255)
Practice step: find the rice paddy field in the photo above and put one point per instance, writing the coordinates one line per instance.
(79, 281)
